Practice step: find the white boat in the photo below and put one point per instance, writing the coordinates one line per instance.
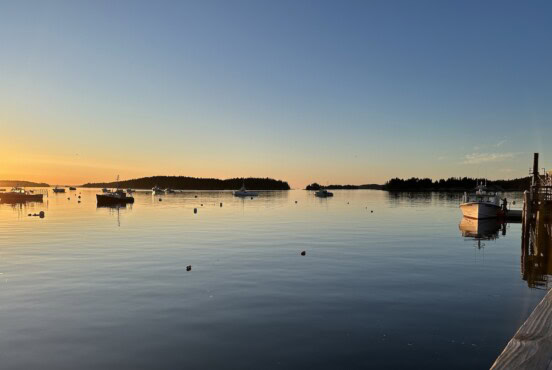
(243, 192)
(480, 204)
(323, 193)
(157, 190)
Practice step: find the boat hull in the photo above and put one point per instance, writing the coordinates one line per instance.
(480, 210)
(245, 194)
(109, 200)
(20, 198)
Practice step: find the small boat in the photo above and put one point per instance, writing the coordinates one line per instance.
(323, 193)
(106, 190)
(58, 190)
(114, 198)
(72, 188)
(19, 195)
(243, 192)
(157, 190)
(480, 204)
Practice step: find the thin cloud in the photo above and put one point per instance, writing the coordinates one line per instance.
(500, 143)
(478, 158)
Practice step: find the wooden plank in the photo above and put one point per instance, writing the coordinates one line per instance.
(531, 346)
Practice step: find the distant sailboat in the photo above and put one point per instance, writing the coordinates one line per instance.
(243, 192)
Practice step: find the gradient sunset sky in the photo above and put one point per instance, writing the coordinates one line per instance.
(327, 91)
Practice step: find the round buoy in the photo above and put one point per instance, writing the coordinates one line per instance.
(160, 199)
(221, 204)
(195, 196)
(202, 204)
(372, 211)
(41, 214)
(189, 268)
(295, 202)
(79, 201)
(303, 253)
(29, 215)
(195, 210)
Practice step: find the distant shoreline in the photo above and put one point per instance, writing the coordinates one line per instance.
(450, 185)
(194, 183)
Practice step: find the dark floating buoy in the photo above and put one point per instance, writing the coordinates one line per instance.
(29, 215)
(195, 196)
(79, 196)
(303, 253)
(372, 211)
(295, 202)
(189, 268)
(251, 197)
(221, 204)
(41, 214)
(160, 199)
(202, 204)
(68, 198)
(79, 201)
(195, 210)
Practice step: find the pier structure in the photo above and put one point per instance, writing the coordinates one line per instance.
(531, 346)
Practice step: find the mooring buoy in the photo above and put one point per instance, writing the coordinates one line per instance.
(303, 253)
(189, 268)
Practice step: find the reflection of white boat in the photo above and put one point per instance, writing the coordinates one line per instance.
(323, 193)
(480, 204)
(157, 190)
(484, 229)
(245, 193)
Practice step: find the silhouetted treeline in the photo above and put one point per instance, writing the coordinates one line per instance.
(315, 186)
(194, 183)
(21, 183)
(454, 184)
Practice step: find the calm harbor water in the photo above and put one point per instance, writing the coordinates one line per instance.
(399, 287)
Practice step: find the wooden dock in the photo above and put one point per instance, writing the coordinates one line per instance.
(531, 346)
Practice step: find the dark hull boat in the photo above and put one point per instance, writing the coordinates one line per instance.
(19, 196)
(114, 198)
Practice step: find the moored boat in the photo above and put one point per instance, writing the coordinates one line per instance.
(480, 204)
(157, 190)
(116, 197)
(243, 192)
(58, 190)
(323, 193)
(72, 188)
(113, 198)
(19, 195)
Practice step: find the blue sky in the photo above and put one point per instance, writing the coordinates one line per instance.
(339, 92)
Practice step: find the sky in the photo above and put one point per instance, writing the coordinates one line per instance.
(333, 92)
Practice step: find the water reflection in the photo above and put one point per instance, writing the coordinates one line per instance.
(480, 230)
(536, 264)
